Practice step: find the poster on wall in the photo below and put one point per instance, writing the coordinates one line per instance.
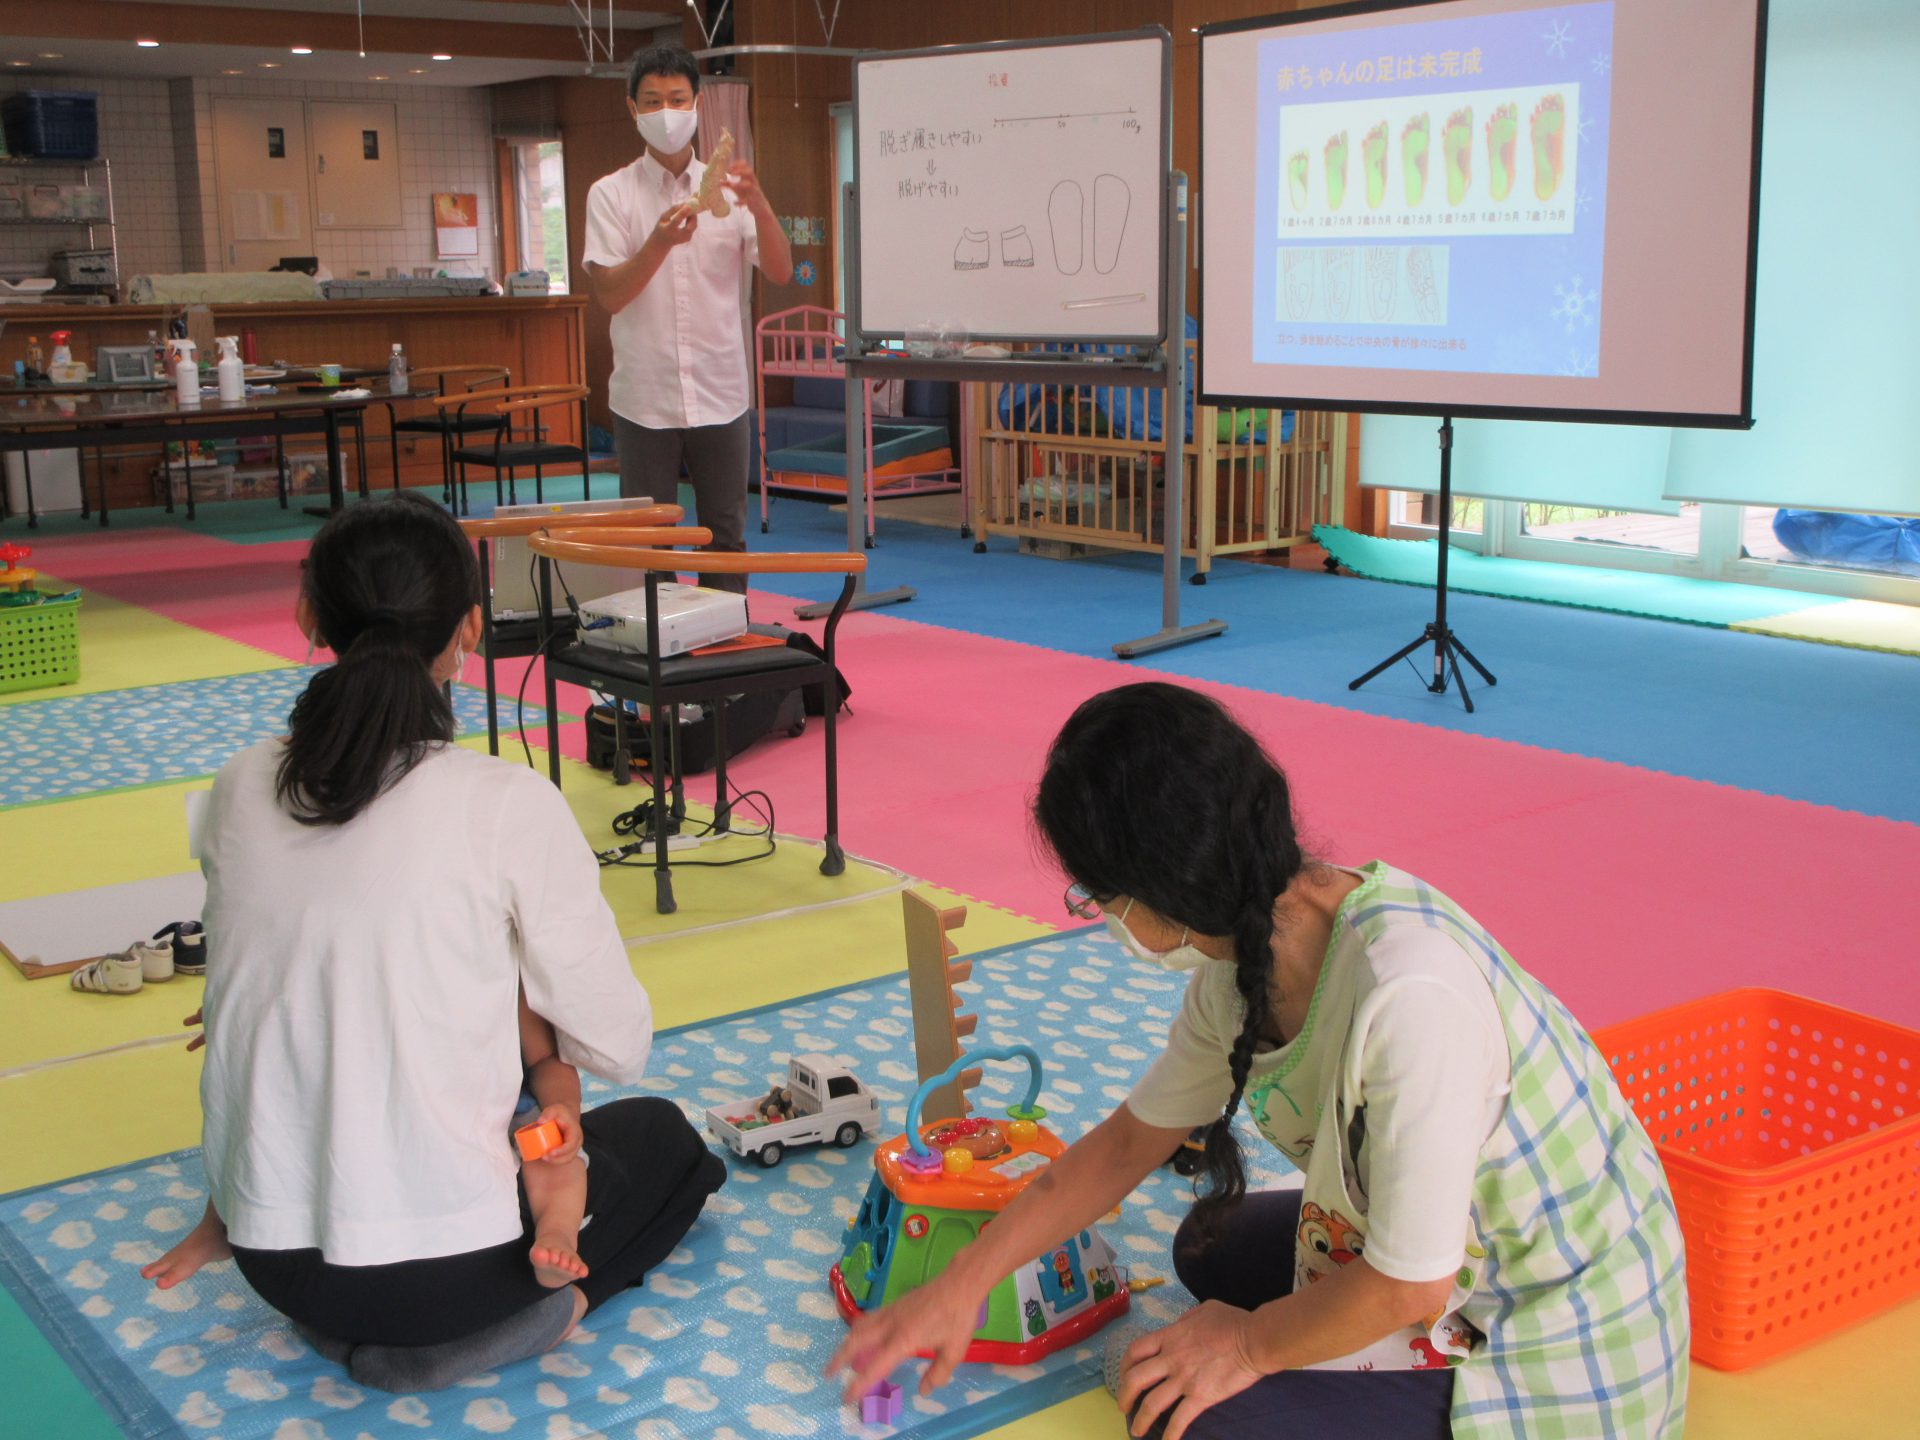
(456, 225)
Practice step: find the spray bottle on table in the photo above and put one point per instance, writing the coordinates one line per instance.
(231, 372)
(186, 371)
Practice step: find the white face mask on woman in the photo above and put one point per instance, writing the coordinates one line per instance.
(1181, 957)
(668, 131)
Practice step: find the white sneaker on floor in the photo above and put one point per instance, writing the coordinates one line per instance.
(156, 959)
(121, 974)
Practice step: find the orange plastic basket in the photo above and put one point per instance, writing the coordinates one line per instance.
(1790, 1131)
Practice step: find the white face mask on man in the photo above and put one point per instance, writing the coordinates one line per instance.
(1182, 956)
(668, 131)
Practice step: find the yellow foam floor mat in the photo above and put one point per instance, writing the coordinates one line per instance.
(1862, 624)
(123, 646)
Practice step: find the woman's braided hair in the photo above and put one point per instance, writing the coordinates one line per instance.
(1155, 792)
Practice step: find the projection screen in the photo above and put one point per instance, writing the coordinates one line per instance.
(1484, 208)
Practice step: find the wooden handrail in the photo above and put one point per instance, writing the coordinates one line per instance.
(632, 549)
(648, 516)
(509, 399)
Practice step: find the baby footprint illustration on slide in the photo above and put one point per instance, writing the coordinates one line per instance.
(1548, 129)
(1502, 131)
(971, 253)
(1066, 218)
(1456, 146)
(1297, 179)
(1016, 248)
(1426, 295)
(1112, 203)
(1383, 280)
(1297, 267)
(1373, 162)
(1337, 171)
(1413, 160)
(1337, 271)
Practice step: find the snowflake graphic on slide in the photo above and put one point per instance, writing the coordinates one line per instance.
(1583, 201)
(1577, 306)
(1576, 365)
(1585, 127)
(1602, 64)
(1558, 38)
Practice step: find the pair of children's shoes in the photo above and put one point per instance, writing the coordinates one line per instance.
(179, 949)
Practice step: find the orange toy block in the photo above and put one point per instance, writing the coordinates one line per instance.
(537, 1139)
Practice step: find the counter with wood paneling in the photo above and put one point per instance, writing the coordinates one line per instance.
(540, 340)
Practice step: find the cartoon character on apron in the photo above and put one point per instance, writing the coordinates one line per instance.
(1333, 1213)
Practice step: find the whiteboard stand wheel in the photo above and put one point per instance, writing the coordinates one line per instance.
(763, 527)
(1199, 577)
(979, 547)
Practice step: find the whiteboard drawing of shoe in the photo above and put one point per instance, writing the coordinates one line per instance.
(1016, 248)
(1112, 202)
(972, 252)
(1067, 219)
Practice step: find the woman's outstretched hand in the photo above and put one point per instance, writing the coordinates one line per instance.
(200, 1038)
(1186, 1368)
(938, 1319)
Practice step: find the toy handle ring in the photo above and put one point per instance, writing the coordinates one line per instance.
(1025, 1110)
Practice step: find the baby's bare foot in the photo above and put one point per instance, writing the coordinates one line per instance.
(554, 1261)
(206, 1243)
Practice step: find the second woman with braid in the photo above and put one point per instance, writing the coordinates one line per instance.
(1484, 1244)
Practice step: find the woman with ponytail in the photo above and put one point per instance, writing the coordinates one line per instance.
(1483, 1243)
(391, 911)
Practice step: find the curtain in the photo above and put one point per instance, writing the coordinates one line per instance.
(1608, 467)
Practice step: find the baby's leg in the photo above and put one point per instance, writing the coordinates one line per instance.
(206, 1243)
(557, 1199)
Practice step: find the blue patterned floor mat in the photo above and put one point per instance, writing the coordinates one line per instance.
(725, 1340)
(58, 748)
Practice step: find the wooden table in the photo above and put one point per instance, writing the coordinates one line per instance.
(74, 418)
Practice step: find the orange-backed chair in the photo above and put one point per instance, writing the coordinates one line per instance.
(664, 684)
(509, 639)
(519, 407)
(448, 424)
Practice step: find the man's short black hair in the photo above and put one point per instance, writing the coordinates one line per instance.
(668, 59)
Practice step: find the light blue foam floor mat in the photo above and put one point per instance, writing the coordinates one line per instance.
(725, 1339)
(57, 748)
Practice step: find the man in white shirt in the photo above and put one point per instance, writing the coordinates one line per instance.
(671, 278)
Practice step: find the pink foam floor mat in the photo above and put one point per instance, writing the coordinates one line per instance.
(1625, 889)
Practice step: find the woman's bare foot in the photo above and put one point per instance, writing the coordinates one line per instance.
(554, 1261)
(206, 1243)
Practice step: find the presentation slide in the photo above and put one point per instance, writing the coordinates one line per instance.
(1482, 204)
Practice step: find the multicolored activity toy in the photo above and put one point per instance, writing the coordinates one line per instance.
(935, 1187)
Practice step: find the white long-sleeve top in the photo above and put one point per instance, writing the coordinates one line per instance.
(363, 1050)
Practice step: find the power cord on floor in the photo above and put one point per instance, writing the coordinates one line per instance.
(638, 822)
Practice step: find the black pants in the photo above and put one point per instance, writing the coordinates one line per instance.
(1250, 1263)
(716, 460)
(648, 1174)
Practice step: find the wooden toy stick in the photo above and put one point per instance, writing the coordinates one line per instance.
(718, 163)
(938, 1023)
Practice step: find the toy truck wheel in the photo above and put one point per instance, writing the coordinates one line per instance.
(769, 1155)
(847, 1136)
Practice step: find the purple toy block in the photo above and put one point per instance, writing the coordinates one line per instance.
(881, 1405)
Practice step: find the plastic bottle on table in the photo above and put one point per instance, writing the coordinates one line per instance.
(397, 371)
(186, 373)
(231, 372)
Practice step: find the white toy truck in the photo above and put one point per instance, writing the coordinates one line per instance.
(821, 1103)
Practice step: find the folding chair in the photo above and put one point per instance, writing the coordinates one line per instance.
(449, 426)
(507, 454)
(510, 639)
(663, 684)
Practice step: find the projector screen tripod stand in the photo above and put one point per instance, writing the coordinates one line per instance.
(1448, 652)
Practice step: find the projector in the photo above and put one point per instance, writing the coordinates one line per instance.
(690, 617)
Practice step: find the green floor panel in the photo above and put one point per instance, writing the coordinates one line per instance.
(1717, 603)
(44, 1397)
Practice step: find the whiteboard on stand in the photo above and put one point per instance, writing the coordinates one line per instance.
(1014, 191)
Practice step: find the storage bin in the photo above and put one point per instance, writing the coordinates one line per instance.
(52, 124)
(39, 646)
(1790, 1132)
